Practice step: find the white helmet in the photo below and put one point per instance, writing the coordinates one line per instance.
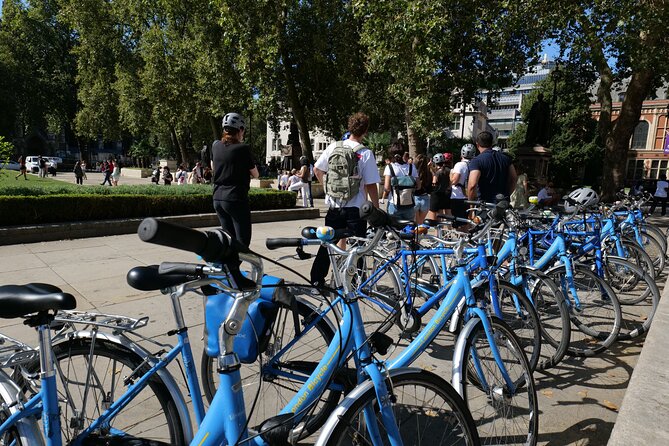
(583, 196)
(497, 148)
(234, 120)
(468, 151)
(439, 158)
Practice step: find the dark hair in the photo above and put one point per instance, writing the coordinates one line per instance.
(358, 124)
(423, 170)
(663, 176)
(397, 152)
(484, 139)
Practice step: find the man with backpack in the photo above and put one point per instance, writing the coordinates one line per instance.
(459, 177)
(347, 170)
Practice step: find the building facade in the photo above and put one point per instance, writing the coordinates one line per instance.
(504, 107)
(279, 145)
(471, 122)
(648, 156)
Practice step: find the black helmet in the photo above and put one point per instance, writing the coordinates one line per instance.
(304, 161)
(234, 120)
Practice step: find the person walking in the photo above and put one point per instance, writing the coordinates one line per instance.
(440, 198)
(83, 169)
(107, 171)
(401, 202)
(660, 195)
(422, 195)
(303, 180)
(116, 172)
(491, 173)
(79, 173)
(344, 193)
(22, 168)
(519, 195)
(459, 178)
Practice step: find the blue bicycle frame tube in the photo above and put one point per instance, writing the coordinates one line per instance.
(228, 402)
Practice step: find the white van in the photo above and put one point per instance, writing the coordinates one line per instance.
(32, 163)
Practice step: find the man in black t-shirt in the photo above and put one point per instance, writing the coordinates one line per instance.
(491, 172)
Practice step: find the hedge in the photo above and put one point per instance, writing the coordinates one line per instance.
(22, 210)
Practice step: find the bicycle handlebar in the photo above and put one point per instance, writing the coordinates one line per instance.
(212, 246)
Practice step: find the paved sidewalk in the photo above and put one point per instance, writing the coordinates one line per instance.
(578, 401)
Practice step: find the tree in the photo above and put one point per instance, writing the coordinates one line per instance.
(574, 140)
(6, 150)
(37, 69)
(619, 41)
(435, 54)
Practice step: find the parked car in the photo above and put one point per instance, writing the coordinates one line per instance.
(32, 163)
(11, 165)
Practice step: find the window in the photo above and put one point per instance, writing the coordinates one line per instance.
(322, 146)
(456, 123)
(635, 169)
(640, 137)
(658, 167)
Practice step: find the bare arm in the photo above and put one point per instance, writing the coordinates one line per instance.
(455, 178)
(254, 172)
(474, 176)
(373, 192)
(386, 187)
(319, 174)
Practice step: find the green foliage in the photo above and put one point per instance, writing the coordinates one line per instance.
(6, 150)
(379, 143)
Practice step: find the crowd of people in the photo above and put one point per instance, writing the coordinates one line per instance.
(199, 174)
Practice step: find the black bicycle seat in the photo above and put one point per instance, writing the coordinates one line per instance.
(21, 300)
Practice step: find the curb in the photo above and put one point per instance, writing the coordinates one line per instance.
(12, 235)
(642, 419)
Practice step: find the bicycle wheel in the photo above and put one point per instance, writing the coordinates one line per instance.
(638, 295)
(637, 255)
(26, 431)
(553, 312)
(283, 374)
(654, 250)
(596, 319)
(427, 410)
(501, 416)
(91, 375)
(519, 314)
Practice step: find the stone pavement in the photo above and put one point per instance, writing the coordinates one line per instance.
(578, 401)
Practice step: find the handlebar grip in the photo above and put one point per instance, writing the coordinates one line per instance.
(190, 269)
(212, 246)
(284, 242)
(500, 210)
(454, 218)
(374, 216)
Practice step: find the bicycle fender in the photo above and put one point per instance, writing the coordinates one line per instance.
(459, 354)
(28, 427)
(348, 401)
(163, 374)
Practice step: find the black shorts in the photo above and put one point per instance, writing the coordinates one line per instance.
(439, 201)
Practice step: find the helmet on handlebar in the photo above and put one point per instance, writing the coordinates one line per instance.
(468, 151)
(583, 196)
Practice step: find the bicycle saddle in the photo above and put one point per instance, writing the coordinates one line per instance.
(21, 300)
(147, 278)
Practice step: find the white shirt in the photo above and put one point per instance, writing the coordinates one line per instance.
(366, 166)
(461, 167)
(401, 170)
(661, 190)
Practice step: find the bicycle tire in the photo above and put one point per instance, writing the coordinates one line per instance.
(519, 314)
(553, 313)
(25, 431)
(153, 418)
(637, 292)
(419, 422)
(595, 326)
(653, 249)
(501, 418)
(302, 359)
(638, 256)
(656, 233)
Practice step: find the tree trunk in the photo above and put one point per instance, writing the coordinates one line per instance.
(297, 109)
(415, 142)
(617, 141)
(215, 128)
(180, 144)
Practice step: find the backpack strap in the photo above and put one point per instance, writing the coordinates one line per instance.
(410, 167)
(392, 171)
